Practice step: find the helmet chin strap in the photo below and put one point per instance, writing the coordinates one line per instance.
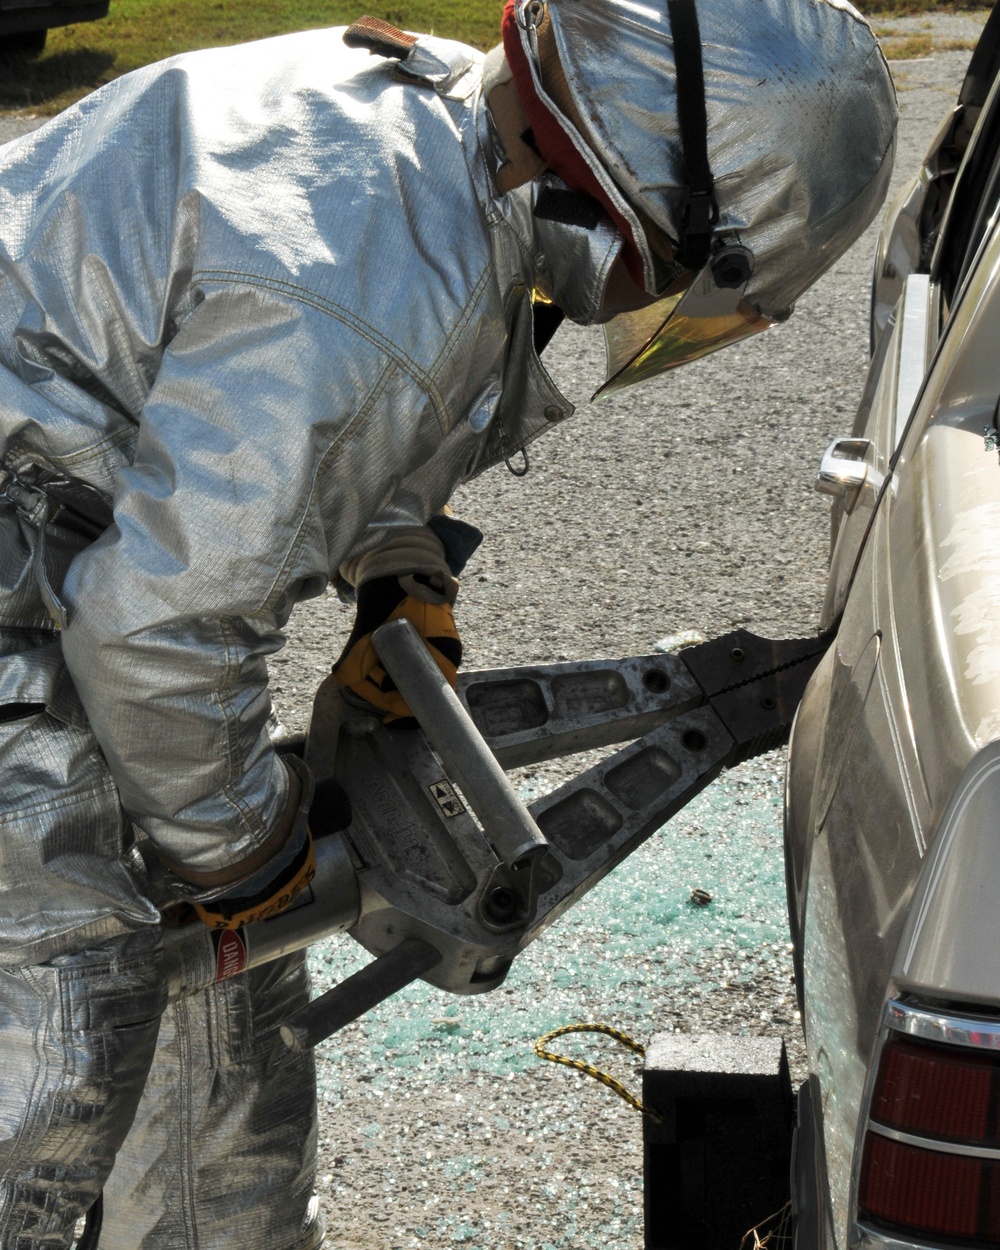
(699, 209)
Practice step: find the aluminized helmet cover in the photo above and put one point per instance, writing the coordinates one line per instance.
(801, 120)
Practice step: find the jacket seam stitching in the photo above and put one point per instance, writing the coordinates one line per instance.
(189, 1205)
(357, 422)
(471, 305)
(248, 818)
(304, 296)
(102, 787)
(110, 442)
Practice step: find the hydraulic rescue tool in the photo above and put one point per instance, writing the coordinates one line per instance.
(425, 852)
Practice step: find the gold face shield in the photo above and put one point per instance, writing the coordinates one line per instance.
(695, 317)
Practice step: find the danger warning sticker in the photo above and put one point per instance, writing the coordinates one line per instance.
(230, 953)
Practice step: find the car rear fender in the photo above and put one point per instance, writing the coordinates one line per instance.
(948, 946)
(801, 791)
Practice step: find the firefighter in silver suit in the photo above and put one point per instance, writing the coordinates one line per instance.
(262, 309)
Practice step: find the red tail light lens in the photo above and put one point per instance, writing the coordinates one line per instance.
(937, 1091)
(928, 1193)
(941, 1094)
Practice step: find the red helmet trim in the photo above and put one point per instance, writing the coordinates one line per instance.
(555, 146)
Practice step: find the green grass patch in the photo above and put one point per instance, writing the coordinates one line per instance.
(79, 58)
(913, 8)
(910, 47)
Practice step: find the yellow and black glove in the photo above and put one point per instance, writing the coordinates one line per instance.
(421, 598)
(284, 874)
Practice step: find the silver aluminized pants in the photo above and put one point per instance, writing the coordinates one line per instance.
(195, 1119)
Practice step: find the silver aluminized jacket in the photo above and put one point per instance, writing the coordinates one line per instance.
(256, 297)
(263, 301)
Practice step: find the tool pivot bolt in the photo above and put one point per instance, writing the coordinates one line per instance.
(501, 904)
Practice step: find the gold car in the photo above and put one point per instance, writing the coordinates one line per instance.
(893, 799)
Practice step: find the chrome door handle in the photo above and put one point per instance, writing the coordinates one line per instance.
(844, 469)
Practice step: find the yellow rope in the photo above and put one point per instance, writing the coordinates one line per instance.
(588, 1069)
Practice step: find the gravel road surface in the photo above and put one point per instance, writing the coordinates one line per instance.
(686, 505)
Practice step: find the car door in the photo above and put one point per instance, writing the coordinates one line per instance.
(908, 693)
(928, 241)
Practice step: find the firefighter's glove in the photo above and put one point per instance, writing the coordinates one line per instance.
(425, 600)
(275, 884)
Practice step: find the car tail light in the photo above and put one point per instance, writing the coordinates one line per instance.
(937, 1091)
(931, 1161)
(928, 1193)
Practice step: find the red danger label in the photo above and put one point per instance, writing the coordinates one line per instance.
(230, 953)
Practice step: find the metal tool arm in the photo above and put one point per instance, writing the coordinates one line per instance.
(540, 712)
(429, 873)
(359, 993)
(544, 711)
(430, 890)
(467, 758)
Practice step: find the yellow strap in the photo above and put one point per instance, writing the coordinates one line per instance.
(588, 1069)
(268, 907)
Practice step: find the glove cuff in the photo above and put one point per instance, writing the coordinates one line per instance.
(436, 588)
(273, 886)
(416, 549)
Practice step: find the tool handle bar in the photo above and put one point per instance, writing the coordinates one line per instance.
(368, 987)
(454, 735)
